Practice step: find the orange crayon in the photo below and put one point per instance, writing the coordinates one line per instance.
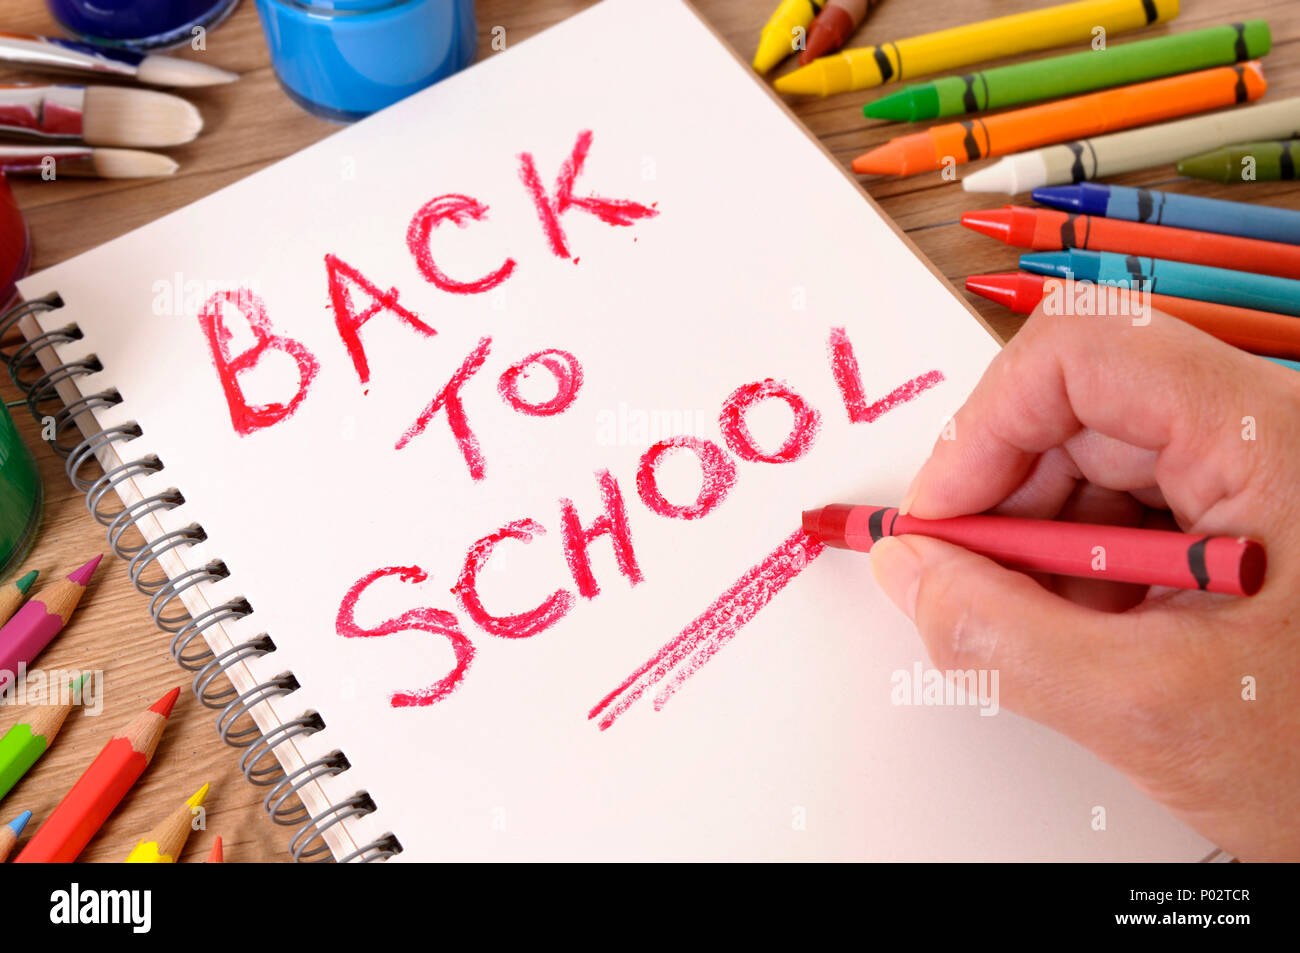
(97, 793)
(1081, 117)
(1259, 332)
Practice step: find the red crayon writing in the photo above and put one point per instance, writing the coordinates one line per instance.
(1149, 557)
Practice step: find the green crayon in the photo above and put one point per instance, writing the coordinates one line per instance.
(1075, 73)
(1273, 160)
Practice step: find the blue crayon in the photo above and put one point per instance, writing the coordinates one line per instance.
(1176, 278)
(1174, 209)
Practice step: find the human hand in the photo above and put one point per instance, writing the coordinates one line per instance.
(1191, 694)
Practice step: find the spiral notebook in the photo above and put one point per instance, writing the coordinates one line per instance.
(471, 442)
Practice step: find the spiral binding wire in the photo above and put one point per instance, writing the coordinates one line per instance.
(39, 387)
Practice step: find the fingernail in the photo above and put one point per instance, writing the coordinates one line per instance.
(898, 571)
(909, 496)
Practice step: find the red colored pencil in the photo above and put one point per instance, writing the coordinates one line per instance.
(1150, 557)
(218, 856)
(39, 620)
(1044, 229)
(97, 793)
(1259, 332)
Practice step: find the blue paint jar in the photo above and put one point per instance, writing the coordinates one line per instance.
(344, 59)
(138, 24)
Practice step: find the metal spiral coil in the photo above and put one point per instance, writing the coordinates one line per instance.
(281, 802)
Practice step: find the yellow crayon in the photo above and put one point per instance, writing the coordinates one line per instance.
(164, 843)
(1069, 23)
(790, 22)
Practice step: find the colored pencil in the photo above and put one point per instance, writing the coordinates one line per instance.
(1049, 230)
(789, 22)
(24, 743)
(1054, 77)
(100, 789)
(833, 26)
(69, 56)
(1149, 557)
(98, 115)
(13, 593)
(42, 618)
(1176, 278)
(163, 844)
(218, 855)
(1135, 149)
(956, 143)
(1259, 332)
(1172, 208)
(867, 66)
(10, 833)
(1272, 161)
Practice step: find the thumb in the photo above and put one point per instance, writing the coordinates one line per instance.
(1057, 662)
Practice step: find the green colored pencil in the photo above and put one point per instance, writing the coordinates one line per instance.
(24, 743)
(1272, 160)
(13, 594)
(1075, 73)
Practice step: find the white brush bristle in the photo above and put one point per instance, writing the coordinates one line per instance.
(173, 71)
(118, 116)
(130, 164)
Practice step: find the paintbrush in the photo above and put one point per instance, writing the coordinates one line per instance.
(99, 115)
(69, 56)
(83, 162)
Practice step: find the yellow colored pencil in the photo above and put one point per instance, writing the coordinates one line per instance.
(1069, 23)
(164, 843)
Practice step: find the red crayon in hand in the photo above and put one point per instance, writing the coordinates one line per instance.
(97, 793)
(1149, 557)
(831, 28)
(40, 620)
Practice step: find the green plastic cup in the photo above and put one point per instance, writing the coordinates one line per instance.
(21, 496)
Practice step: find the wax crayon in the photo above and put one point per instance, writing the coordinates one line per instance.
(956, 143)
(163, 844)
(1176, 278)
(1259, 332)
(1274, 160)
(1045, 229)
(31, 736)
(1148, 557)
(1057, 76)
(867, 66)
(13, 593)
(97, 793)
(40, 620)
(10, 833)
(1172, 208)
(790, 21)
(833, 26)
(1136, 148)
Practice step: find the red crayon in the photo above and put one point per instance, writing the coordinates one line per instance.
(1149, 557)
(97, 793)
(1046, 229)
(831, 28)
(1259, 332)
(40, 620)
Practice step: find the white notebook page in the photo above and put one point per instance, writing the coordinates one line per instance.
(772, 732)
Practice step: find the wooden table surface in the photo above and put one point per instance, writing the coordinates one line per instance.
(251, 124)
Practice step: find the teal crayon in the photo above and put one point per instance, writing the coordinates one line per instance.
(1055, 77)
(1176, 278)
(1294, 365)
